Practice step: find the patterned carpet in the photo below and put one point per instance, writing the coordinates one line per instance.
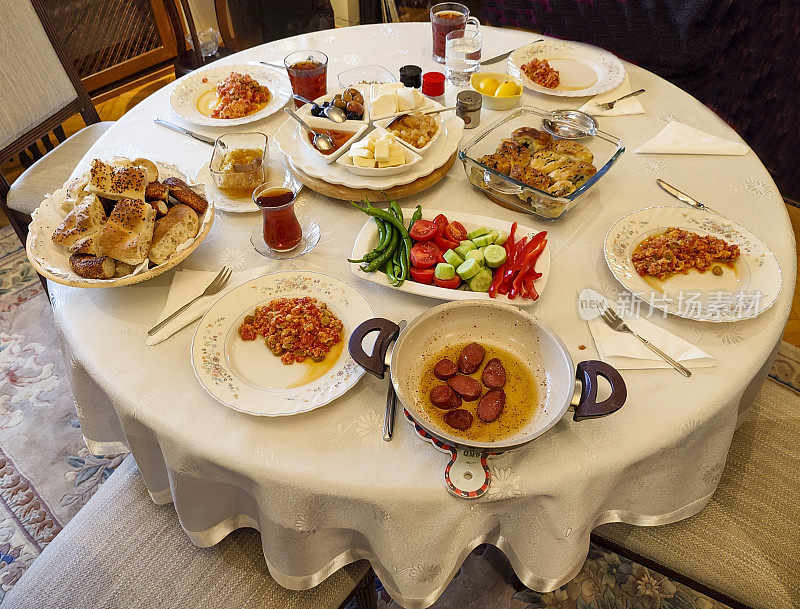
(47, 474)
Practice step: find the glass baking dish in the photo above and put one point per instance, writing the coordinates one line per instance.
(605, 148)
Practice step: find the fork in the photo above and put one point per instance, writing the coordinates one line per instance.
(215, 286)
(616, 323)
(611, 104)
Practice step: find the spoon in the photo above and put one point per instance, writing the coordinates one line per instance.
(321, 141)
(332, 112)
(424, 112)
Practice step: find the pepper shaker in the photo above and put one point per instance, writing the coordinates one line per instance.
(468, 108)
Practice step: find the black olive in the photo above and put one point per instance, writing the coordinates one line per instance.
(353, 116)
(316, 111)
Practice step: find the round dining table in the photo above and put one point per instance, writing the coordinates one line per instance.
(323, 487)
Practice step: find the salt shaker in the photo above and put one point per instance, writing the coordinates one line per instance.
(468, 108)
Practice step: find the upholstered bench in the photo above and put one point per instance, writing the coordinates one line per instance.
(744, 547)
(122, 551)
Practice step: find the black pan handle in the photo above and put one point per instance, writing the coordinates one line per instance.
(588, 407)
(374, 362)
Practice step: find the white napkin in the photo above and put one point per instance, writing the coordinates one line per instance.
(626, 106)
(626, 352)
(677, 138)
(187, 285)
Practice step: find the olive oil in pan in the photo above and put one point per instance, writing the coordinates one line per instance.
(522, 396)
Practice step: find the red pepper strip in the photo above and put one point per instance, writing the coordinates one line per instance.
(509, 244)
(528, 271)
(498, 277)
(530, 290)
(513, 265)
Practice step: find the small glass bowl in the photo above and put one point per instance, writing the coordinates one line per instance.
(238, 163)
(369, 74)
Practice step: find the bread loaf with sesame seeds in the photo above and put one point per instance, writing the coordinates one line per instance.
(117, 182)
(128, 232)
(86, 219)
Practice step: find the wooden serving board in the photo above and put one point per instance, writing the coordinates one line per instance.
(337, 191)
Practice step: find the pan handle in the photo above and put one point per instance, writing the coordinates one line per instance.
(374, 362)
(588, 407)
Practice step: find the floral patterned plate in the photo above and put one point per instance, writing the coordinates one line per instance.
(583, 69)
(742, 292)
(188, 90)
(246, 376)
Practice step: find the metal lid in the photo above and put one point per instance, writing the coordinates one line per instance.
(469, 101)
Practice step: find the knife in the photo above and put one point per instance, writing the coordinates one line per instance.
(682, 196)
(391, 397)
(504, 55)
(179, 129)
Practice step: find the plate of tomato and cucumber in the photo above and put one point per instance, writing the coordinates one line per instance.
(451, 255)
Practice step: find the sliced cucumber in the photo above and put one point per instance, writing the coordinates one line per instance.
(501, 239)
(444, 271)
(452, 258)
(494, 255)
(483, 240)
(481, 281)
(469, 268)
(481, 230)
(476, 255)
(494, 234)
(466, 246)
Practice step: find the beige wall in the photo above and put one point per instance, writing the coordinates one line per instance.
(345, 12)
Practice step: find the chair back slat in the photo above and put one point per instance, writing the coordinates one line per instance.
(26, 101)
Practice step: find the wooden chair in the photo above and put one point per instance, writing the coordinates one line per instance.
(123, 550)
(248, 23)
(41, 89)
(187, 59)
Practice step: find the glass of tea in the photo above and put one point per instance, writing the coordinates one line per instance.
(308, 73)
(281, 229)
(448, 17)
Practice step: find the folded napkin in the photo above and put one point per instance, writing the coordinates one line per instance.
(626, 106)
(677, 138)
(187, 285)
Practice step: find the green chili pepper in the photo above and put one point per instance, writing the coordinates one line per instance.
(416, 216)
(385, 255)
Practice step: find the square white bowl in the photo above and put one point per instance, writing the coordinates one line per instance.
(411, 157)
(305, 110)
(384, 124)
(320, 125)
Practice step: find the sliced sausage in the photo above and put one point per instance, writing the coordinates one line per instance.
(465, 386)
(444, 369)
(458, 418)
(471, 358)
(491, 405)
(445, 398)
(494, 375)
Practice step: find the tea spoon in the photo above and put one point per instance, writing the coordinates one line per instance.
(321, 141)
(332, 112)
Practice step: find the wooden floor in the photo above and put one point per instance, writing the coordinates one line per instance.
(114, 108)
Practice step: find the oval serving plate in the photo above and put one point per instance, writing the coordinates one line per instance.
(290, 143)
(744, 292)
(583, 69)
(246, 376)
(367, 239)
(52, 260)
(188, 90)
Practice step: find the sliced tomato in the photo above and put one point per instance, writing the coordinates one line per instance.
(440, 221)
(455, 231)
(444, 244)
(448, 283)
(424, 255)
(423, 230)
(421, 275)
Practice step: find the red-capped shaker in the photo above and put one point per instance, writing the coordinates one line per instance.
(433, 84)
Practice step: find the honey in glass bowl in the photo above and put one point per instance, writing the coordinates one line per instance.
(238, 163)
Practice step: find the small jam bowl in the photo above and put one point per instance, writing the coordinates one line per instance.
(491, 101)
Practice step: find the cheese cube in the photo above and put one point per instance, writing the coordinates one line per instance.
(396, 160)
(364, 153)
(391, 86)
(362, 162)
(381, 150)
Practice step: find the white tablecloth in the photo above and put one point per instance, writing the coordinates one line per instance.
(322, 487)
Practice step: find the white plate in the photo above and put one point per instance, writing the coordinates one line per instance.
(52, 260)
(437, 117)
(583, 69)
(411, 159)
(289, 140)
(186, 93)
(367, 239)
(245, 375)
(743, 292)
